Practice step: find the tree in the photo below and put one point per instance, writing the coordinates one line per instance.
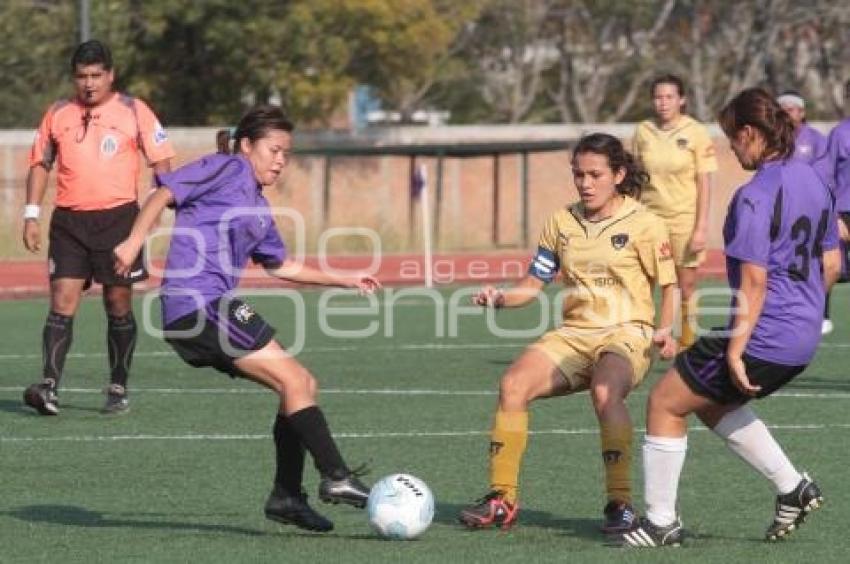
(34, 64)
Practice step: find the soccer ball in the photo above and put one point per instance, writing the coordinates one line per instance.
(400, 506)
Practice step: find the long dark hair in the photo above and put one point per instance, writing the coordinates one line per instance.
(635, 180)
(757, 108)
(254, 125)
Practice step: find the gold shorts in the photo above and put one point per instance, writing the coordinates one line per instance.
(576, 351)
(680, 230)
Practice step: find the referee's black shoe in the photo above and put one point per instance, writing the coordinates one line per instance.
(344, 487)
(290, 509)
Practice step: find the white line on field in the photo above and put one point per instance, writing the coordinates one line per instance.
(374, 391)
(401, 347)
(352, 435)
(345, 348)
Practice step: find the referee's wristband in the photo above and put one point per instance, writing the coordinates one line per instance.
(32, 211)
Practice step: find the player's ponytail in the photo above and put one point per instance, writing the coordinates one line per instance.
(636, 178)
(758, 109)
(222, 141)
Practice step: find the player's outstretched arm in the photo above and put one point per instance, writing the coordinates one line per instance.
(663, 337)
(525, 291)
(292, 271)
(127, 251)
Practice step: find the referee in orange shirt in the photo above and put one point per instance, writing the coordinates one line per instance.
(93, 140)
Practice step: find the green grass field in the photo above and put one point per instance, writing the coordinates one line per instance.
(183, 477)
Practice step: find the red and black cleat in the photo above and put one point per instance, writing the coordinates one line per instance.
(492, 510)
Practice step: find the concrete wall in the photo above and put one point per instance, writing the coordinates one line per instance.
(374, 192)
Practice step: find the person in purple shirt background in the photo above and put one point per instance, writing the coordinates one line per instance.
(781, 244)
(809, 146)
(809, 143)
(835, 168)
(222, 221)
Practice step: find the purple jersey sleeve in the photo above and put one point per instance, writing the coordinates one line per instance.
(204, 176)
(831, 239)
(271, 252)
(752, 213)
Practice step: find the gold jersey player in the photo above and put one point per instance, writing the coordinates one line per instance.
(611, 252)
(678, 154)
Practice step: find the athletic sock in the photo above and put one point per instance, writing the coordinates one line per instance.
(749, 438)
(312, 428)
(56, 341)
(687, 336)
(289, 454)
(507, 445)
(121, 341)
(616, 443)
(663, 458)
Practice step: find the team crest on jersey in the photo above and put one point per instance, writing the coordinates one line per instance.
(619, 241)
(243, 313)
(159, 135)
(108, 146)
(565, 240)
(682, 143)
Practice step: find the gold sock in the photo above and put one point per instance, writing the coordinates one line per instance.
(616, 443)
(687, 337)
(507, 445)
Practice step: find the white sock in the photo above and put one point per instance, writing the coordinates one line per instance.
(663, 458)
(749, 438)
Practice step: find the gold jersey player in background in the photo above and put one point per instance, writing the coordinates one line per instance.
(678, 154)
(611, 252)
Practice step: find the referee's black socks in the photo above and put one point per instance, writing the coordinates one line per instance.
(121, 339)
(290, 455)
(56, 342)
(311, 426)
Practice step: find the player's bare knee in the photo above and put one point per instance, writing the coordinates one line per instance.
(513, 389)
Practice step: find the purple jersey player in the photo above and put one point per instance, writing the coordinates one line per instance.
(222, 222)
(781, 242)
(836, 164)
(809, 143)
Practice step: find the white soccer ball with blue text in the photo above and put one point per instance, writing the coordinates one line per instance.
(400, 507)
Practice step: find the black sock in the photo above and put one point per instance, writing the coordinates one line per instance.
(289, 454)
(121, 340)
(311, 426)
(826, 306)
(56, 341)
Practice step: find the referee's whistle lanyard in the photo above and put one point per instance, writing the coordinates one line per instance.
(87, 117)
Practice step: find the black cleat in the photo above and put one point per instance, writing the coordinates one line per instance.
(793, 508)
(42, 397)
(347, 489)
(492, 510)
(648, 535)
(116, 400)
(620, 517)
(289, 509)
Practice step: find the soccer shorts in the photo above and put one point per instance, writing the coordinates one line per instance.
(221, 333)
(81, 245)
(680, 230)
(704, 369)
(576, 351)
